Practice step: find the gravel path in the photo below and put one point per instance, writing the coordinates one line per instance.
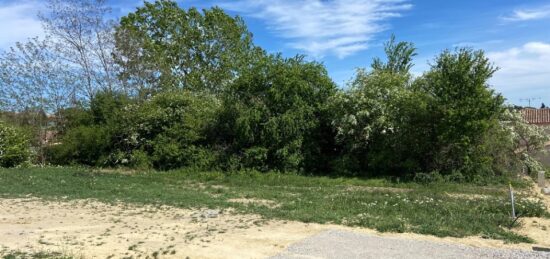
(342, 244)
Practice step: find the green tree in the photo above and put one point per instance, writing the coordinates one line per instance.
(172, 128)
(275, 112)
(463, 108)
(399, 57)
(163, 47)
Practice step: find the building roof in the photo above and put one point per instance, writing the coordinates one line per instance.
(537, 116)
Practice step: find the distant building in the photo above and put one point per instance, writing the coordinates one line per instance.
(537, 116)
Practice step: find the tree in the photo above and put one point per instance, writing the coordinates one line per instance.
(274, 114)
(520, 140)
(463, 107)
(35, 82)
(163, 47)
(83, 35)
(370, 111)
(542, 106)
(32, 76)
(399, 57)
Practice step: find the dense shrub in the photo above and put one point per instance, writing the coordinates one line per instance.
(14, 146)
(463, 108)
(286, 114)
(365, 120)
(274, 114)
(173, 129)
(447, 121)
(88, 135)
(87, 145)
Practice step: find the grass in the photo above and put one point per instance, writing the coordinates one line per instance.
(36, 255)
(443, 209)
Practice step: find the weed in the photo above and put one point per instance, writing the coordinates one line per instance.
(443, 209)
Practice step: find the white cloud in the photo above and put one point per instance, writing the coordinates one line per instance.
(529, 14)
(18, 22)
(524, 71)
(337, 27)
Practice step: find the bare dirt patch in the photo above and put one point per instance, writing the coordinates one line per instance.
(91, 229)
(536, 228)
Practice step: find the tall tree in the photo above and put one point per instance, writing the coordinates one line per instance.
(34, 82)
(32, 76)
(161, 46)
(82, 34)
(463, 106)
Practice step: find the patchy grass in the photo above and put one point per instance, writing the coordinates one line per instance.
(33, 255)
(443, 209)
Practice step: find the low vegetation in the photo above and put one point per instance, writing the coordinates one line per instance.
(14, 146)
(443, 209)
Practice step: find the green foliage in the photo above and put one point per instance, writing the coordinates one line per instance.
(87, 145)
(89, 135)
(273, 113)
(14, 146)
(463, 108)
(104, 106)
(446, 121)
(172, 128)
(163, 47)
(209, 99)
(399, 57)
(375, 118)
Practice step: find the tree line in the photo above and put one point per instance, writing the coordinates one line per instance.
(166, 87)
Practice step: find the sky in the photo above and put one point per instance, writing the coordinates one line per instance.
(347, 34)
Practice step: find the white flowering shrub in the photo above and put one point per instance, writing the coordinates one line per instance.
(524, 138)
(367, 108)
(14, 146)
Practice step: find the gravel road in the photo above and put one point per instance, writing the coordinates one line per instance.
(342, 244)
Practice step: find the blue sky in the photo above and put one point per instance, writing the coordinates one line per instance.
(347, 34)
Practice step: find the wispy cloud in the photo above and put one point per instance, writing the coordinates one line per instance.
(479, 44)
(529, 14)
(335, 27)
(524, 70)
(18, 22)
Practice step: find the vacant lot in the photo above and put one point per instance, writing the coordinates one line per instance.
(185, 213)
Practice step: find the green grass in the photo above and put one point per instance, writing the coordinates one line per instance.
(443, 209)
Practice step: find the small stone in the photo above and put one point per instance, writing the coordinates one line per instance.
(546, 190)
(210, 214)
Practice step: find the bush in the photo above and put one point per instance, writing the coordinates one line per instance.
(173, 129)
(426, 178)
(87, 145)
(140, 160)
(463, 108)
(14, 146)
(274, 116)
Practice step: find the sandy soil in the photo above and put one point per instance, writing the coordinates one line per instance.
(537, 228)
(90, 229)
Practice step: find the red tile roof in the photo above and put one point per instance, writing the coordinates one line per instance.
(537, 116)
